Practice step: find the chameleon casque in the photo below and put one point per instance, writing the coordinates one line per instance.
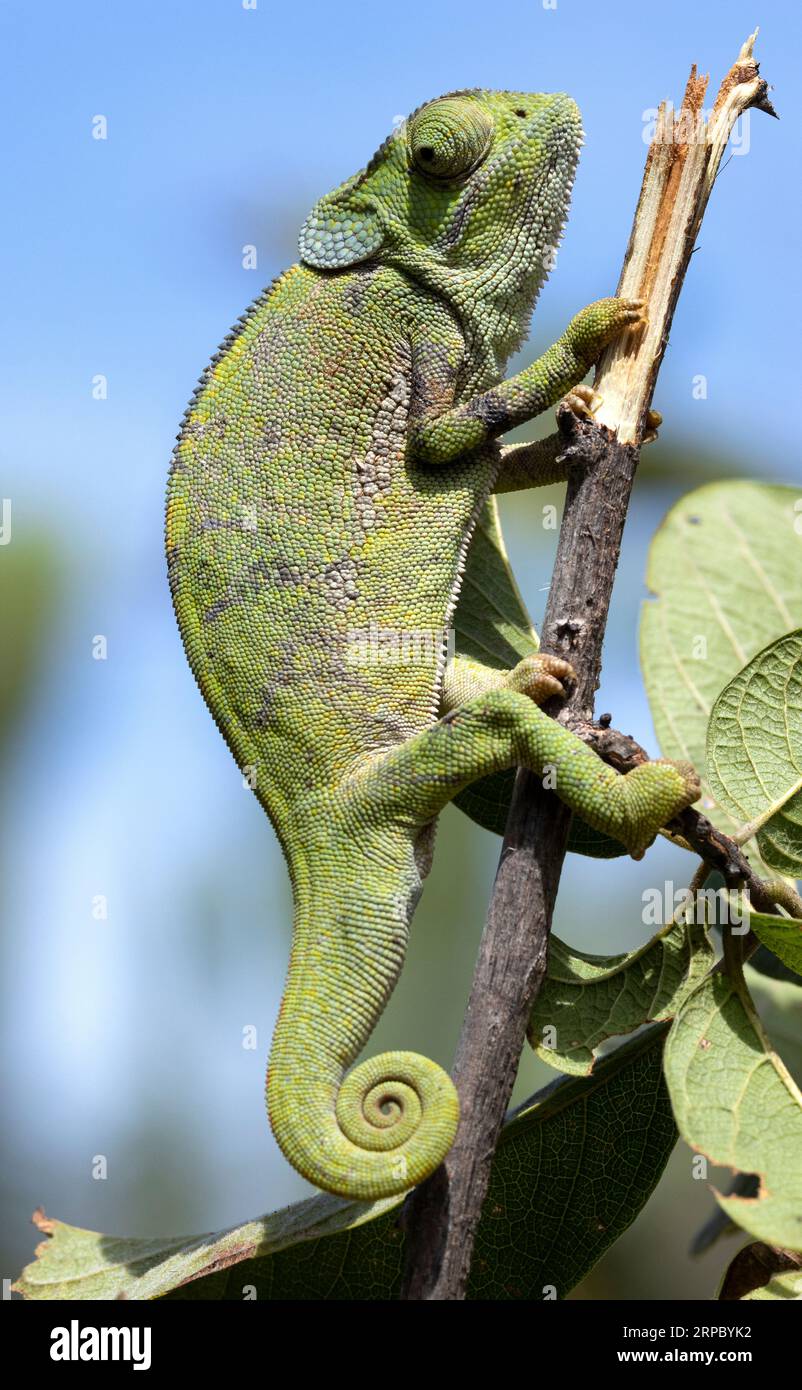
(329, 475)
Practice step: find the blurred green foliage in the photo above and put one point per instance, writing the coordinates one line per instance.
(29, 576)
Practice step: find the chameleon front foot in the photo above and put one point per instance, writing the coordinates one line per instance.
(599, 323)
(583, 401)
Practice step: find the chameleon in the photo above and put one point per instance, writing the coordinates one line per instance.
(328, 477)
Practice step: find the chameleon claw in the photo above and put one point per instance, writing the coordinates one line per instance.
(633, 314)
(541, 677)
(653, 422)
(583, 401)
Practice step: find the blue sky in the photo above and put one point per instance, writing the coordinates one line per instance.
(123, 258)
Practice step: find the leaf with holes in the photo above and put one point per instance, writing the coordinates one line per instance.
(726, 569)
(754, 752)
(735, 1102)
(759, 1271)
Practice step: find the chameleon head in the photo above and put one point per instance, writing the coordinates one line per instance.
(472, 189)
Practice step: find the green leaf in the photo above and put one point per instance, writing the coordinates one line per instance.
(780, 1286)
(30, 582)
(778, 1005)
(78, 1264)
(759, 1271)
(583, 839)
(735, 1102)
(766, 964)
(782, 935)
(573, 1178)
(587, 999)
(726, 567)
(573, 1169)
(491, 623)
(754, 752)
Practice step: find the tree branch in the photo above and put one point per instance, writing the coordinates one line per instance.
(690, 829)
(442, 1215)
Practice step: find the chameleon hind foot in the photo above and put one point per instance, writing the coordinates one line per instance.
(538, 676)
(641, 778)
(541, 677)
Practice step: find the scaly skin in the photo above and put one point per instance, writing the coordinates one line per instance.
(326, 483)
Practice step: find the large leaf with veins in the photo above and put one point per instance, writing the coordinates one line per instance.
(754, 752)
(726, 571)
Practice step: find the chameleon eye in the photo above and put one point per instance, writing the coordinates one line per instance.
(450, 138)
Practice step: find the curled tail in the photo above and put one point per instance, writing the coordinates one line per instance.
(390, 1122)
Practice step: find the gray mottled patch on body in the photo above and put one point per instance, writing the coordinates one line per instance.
(219, 607)
(433, 379)
(214, 429)
(374, 472)
(339, 580)
(173, 571)
(271, 437)
(329, 670)
(355, 289)
(260, 574)
(281, 679)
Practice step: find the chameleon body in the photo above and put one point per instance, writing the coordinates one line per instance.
(327, 480)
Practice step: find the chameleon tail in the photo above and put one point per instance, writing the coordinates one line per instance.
(392, 1120)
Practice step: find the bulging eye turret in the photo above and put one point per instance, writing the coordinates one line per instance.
(449, 138)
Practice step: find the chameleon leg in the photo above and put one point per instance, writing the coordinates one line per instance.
(502, 728)
(441, 438)
(535, 464)
(543, 461)
(387, 1124)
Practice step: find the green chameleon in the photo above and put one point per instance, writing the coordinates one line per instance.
(330, 472)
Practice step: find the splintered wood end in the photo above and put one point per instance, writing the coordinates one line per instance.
(681, 166)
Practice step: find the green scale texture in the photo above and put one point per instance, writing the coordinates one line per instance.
(329, 474)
